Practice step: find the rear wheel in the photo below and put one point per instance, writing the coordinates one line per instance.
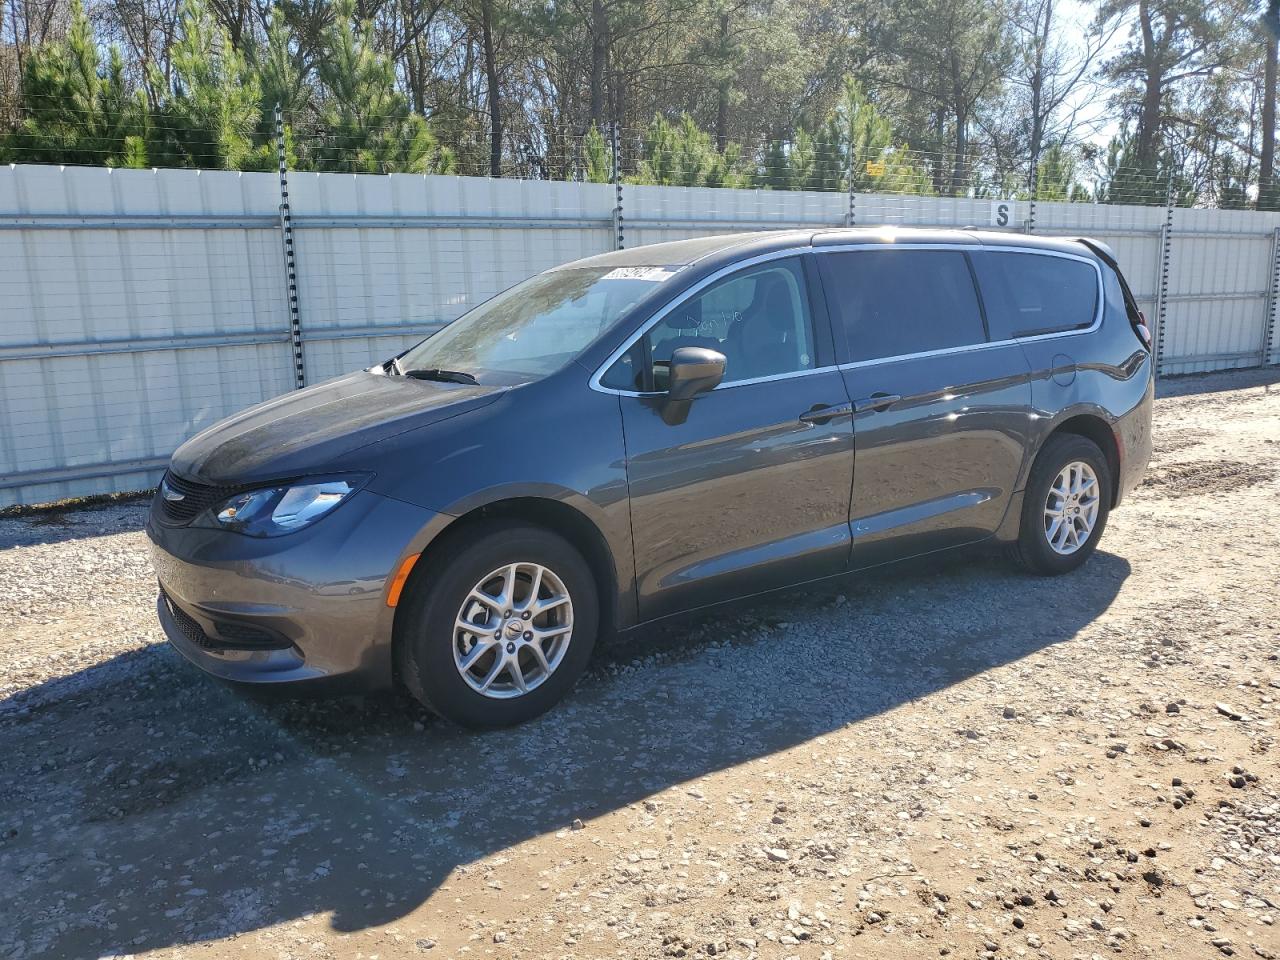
(498, 626)
(1065, 507)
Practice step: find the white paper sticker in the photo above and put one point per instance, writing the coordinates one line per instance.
(652, 274)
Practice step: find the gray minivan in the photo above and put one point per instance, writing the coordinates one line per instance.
(649, 432)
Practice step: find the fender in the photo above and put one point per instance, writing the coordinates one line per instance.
(509, 456)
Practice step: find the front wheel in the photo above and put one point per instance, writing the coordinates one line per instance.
(1065, 506)
(498, 626)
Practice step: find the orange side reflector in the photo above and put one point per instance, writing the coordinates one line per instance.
(398, 581)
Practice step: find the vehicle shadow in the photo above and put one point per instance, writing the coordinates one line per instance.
(146, 806)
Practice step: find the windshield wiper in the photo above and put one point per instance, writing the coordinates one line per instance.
(444, 376)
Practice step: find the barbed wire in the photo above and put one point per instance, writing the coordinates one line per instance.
(533, 152)
(808, 164)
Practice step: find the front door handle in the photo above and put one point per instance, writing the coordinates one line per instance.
(825, 413)
(875, 403)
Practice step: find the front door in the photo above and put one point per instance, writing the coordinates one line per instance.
(750, 490)
(941, 413)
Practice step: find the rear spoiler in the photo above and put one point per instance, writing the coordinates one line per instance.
(1104, 252)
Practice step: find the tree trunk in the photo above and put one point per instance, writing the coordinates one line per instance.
(19, 51)
(415, 80)
(495, 98)
(962, 148)
(1149, 119)
(1267, 199)
(599, 54)
(617, 99)
(960, 104)
(1037, 96)
(937, 158)
(722, 95)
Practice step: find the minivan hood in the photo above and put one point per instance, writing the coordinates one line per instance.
(305, 432)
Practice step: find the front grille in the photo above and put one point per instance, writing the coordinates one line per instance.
(231, 635)
(196, 498)
(187, 625)
(243, 636)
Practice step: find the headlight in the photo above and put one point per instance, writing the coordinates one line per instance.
(275, 511)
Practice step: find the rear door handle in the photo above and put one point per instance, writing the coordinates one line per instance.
(875, 403)
(825, 413)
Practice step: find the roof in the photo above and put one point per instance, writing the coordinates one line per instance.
(678, 253)
(684, 252)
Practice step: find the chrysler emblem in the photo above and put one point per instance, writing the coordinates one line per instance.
(170, 494)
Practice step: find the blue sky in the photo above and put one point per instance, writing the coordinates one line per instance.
(1077, 19)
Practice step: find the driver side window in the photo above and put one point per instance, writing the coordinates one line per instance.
(758, 318)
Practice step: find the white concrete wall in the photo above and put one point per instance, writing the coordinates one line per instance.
(1219, 283)
(90, 382)
(137, 307)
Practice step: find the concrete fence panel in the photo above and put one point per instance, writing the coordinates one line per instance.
(1219, 289)
(139, 306)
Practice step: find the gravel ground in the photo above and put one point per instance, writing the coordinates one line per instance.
(944, 759)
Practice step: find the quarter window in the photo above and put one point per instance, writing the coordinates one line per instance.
(898, 302)
(1028, 293)
(758, 318)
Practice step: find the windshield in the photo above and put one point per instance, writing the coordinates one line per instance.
(537, 326)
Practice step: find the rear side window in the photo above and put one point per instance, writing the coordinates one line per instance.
(897, 302)
(1029, 293)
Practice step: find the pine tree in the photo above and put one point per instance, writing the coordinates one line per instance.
(800, 161)
(1127, 180)
(1056, 176)
(829, 152)
(366, 124)
(282, 79)
(684, 155)
(869, 135)
(77, 110)
(726, 169)
(692, 148)
(775, 167)
(598, 163)
(877, 164)
(213, 107)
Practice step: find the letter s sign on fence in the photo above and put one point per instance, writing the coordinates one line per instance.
(1002, 213)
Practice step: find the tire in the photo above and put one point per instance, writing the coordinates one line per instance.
(431, 649)
(1033, 550)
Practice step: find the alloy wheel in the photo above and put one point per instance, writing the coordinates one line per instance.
(513, 630)
(1071, 508)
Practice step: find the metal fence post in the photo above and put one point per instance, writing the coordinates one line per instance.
(290, 260)
(1162, 291)
(851, 214)
(1270, 343)
(1030, 224)
(617, 192)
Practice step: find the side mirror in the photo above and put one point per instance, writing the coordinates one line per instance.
(693, 372)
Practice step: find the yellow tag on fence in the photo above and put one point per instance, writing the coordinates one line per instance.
(875, 168)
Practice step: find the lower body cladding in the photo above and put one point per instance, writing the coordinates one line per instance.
(307, 606)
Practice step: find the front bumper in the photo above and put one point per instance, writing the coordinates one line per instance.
(306, 607)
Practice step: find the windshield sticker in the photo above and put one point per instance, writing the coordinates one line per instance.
(652, 274)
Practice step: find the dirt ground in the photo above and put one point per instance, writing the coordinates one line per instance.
(944, 759)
